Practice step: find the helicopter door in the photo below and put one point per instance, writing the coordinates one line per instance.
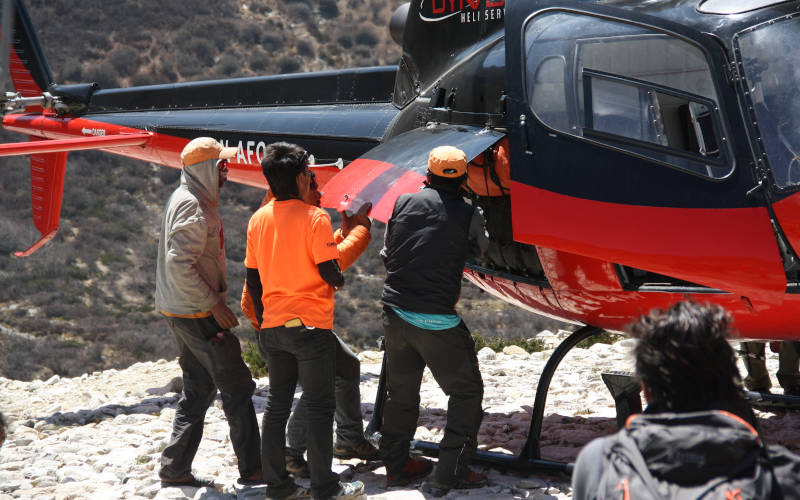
(398, 166)
(619, 151)
(770, 73)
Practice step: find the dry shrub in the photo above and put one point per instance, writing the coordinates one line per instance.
(259, 60)
(103, 73)
(289, 64)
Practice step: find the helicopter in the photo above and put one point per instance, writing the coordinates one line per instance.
(653, 149)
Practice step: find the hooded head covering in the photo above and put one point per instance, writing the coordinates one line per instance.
(200, 173)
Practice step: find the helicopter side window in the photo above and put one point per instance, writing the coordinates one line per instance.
(650, 116)
(625, 86)
(548, 94)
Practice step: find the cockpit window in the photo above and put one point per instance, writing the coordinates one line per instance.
(771, 66)
(734, 6)
(626, 86)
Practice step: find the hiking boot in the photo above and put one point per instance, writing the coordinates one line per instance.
(349, 491)
(792, 390)
(362, 450)
(470, 481)
(297, 467)
(256, 478)
(188, 480)
(298, 494)
(414, 469)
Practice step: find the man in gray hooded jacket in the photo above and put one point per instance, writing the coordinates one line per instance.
(191, 295)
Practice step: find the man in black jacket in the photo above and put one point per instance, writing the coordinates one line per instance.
(697, 438)
(428, 239)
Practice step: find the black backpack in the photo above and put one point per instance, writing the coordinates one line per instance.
(626, 477)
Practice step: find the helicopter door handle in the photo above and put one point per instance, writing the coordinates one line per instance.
(523, 132)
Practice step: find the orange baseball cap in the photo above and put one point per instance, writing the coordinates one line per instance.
(447, 161)
(205, 148)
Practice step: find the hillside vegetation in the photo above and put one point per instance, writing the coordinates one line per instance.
(85, 301)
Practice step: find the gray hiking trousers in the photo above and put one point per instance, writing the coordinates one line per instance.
(210, 363)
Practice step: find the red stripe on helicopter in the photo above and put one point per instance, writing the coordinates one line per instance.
(576, 225)
(42, 146)
(345, 186)
(366, 180)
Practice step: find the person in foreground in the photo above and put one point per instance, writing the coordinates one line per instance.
(697, 437)
(190, 294)
(292, 272)
(351, 241)
(757, 379)
(429, 237)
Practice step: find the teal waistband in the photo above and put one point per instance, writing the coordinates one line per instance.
(428, 321)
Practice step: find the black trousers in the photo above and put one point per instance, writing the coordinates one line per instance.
(450, 355)
(349, 426)
(309, 356)
(210, 363)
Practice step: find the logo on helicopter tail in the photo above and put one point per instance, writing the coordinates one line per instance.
(467, 11)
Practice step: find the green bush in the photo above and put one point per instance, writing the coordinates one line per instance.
(497, 344)
(253, 359)
(602, 338)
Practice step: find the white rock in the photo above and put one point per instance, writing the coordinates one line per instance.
(486, 354)
(531, 484)
(371, 357)
(514, 350)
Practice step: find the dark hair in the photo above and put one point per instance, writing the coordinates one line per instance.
(281, 165)
(684, 359)
(445, 183)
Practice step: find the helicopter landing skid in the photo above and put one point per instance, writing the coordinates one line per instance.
(530, 458)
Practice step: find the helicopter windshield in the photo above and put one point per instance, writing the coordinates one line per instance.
(772, 74)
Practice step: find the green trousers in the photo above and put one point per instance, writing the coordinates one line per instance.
(757, 378)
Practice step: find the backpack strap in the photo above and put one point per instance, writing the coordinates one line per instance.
(626, 447)
(777, 490)
(493, 171)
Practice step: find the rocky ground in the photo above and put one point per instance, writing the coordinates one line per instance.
(99, 436)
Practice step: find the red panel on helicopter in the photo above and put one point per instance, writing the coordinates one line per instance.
(729, 249)
(398, 166)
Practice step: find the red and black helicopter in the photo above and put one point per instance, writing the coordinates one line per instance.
(654, 147)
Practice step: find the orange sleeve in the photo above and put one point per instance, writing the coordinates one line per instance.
(248, 309)
(351, 248)
(323, 248)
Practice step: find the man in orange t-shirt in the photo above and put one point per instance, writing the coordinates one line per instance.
(351, 241)
(292, 267)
